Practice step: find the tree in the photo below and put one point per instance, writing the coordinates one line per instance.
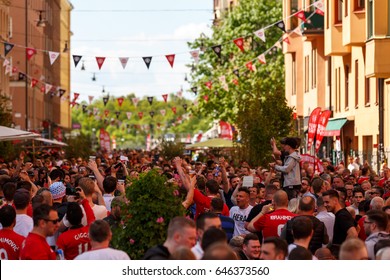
(7, 148)
(255, 101)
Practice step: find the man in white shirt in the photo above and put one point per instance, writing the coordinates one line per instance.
(90, 187)
(24, 223)
(326, 217)
(240, 212)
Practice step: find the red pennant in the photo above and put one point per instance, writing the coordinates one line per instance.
(34, 82)
(171, 59)
(165, 97)
(301, 15)
(30, 52)
(320, 12)
(72, 104)
(287, 40)
(140, 115)
(249, 65)
(100, 61)
(239, 43)
(120, 101)
(209, 84)
(43, 89)
(206, 98)
(174, 110)
(75, 96)
(235, 81)
(14, 70)
(106, 112)
(158, 125)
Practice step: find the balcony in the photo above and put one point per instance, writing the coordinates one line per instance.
(377, 58)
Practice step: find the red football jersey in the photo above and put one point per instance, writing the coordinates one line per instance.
(10, 244)
(35, 247)
(271, 224)
(203, 204)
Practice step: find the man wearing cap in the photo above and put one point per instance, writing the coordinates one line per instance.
(24, 223)
(58, 191)
(291, 169)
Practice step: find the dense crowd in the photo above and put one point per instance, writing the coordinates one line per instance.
(53, 207)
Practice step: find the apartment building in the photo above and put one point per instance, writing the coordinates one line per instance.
(221, 7)
(4, 35)
(342, 66)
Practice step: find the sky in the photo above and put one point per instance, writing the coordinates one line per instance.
(135, 29)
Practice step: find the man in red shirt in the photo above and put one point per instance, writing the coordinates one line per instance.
(35, 247)
(271, 222)
(10, 241)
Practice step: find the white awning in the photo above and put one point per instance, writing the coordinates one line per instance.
(53, 142)
(10, 134)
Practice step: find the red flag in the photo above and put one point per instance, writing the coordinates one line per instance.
(140, 115)
(313, 121)
(165, 97)
(249, 65)
(174, 110)
(100, 61)
(43, 89)
(30, 52)
(235, 81)
(120, 101)
(34, 82)
(206, 98)
(209, 84)
(239, 43)
(171, 59)
(75, 96)
(301, 15)
(320, 12)
(106, 112)
(322, 122)
(287, 40)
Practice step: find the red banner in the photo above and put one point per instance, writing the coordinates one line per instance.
(322, 122)
(104, 138)
(312, 160)
(313, 121)
(226, 130)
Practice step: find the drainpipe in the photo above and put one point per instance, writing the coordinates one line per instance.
(381, 152)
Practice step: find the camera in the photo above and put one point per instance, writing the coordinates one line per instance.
(119, 164)
(73, 192)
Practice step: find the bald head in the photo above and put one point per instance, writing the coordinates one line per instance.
(280, 199)
(377, 203)
(383, 254)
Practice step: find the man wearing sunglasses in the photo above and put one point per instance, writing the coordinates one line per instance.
(46, 223)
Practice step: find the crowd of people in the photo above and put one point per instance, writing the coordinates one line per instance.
(57, 208)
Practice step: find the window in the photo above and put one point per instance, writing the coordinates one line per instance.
(370, 19)
(346, 96)
(356, 83)
(314, 68)
(327, 19)
(346, 8)
(338, 11)
(307, 73)
(367, 92)
(294, 74)
(360, 5)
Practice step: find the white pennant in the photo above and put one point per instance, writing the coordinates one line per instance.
(179, 94)
(6, 62)
(162, 112)
(261, 34)
(128, 114)
(278, 45)
(47, 88)
(8, 69)
(262, 58)
(53, 57)
(124, 61)
(195, 55)
(298, 31)
(319, 5)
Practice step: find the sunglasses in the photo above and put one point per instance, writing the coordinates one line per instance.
(53, 221)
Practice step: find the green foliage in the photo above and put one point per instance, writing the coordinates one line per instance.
(257, 105)
(171, 149)
(7, 148)
(79, 146)
(150, 199)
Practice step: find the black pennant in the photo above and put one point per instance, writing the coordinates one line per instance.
(217, 49)
(52, 94)
(236, 72)
(185, 106)
(194, 90)
(61, 91)
(22, 76)
(7, 48)
(76, 59)
(147, 60)
(150, 100)
(117, 113)
(84, 108)
(105, 100)
(151, 113)
(280, 24)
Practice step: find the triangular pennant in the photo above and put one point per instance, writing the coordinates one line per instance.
(196, 102)
(72, 104)
(150, 100)
(320, 12)
(128, 114)
(84, 107)
(135, 101)
(235, 81)
(262, 59)
(209, 84)
(90, 98)
(117, 113)
(30, 53)
(106, 112)
(206, 98)
(194, 90)
(14, 70)
(140, 115)
(53, 57)
(216, 93)
(100, 61)
(124, 61)
(61, 92)
(75, 96)
(95, 111)
(22, 76)
(174, 110)
(298, 31)
(239, 43)
(236, 72)
(287, 40)
(7, 48)
(151, 113)
(301, 15)
(48, 88)
(195, 55)
(34, 82)
(6, 62)
(217, 49)
(171, 59)
(179, 94)
(147, 60)
(185, 106)
(222, 79)
(319, 5)
(163, 112)
(280, 24)
(120, 101)
(52, 94)
(165, 97)
(249, 66)
(76, 59)
(261, 34)
(43, 89)
(8, 69)
(105, 100)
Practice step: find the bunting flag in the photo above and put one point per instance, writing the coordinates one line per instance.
(8, 69)
(150, 100)
(34, 82)
(128, 114)
(135, 101)
(185, 106)
(84, 107)
(52, 95)
(53, 57)
(196, 102)
(222, 79)
(76, 59)
(106, 112)
(322, 122)
(261, 34)
(235, 81)
(236, 72)
(42, 89)
(194, 90)
(72, 104)
(209, 84)
(165, 97)
(151, 113)
(105, 100)
(301, 15)
(312, 127)
(90, 98)
(319, 5)
(262, 59)
(124, 61)
(48, 89)
(120, 101)
(239, 43)
(298, 31)
(95, 111)
(14, 70)
(147, 60)
(280, 24)
(30, 53)
(179, 94)
(287, 40)
(117, 113)
(140, 115)
(6, 62)
(195, 55)
(249, 65)
(100, 61)
(61, 92)
(171, 59)
(217, 49)
(75, 96)
(174, 110)
(158, 125)
(7, 48)
(320, 12)
(162, 112)
(22, 76)
(206, 98)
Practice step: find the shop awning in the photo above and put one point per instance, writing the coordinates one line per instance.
(52, 142)
(10, 134)
(334, 126)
